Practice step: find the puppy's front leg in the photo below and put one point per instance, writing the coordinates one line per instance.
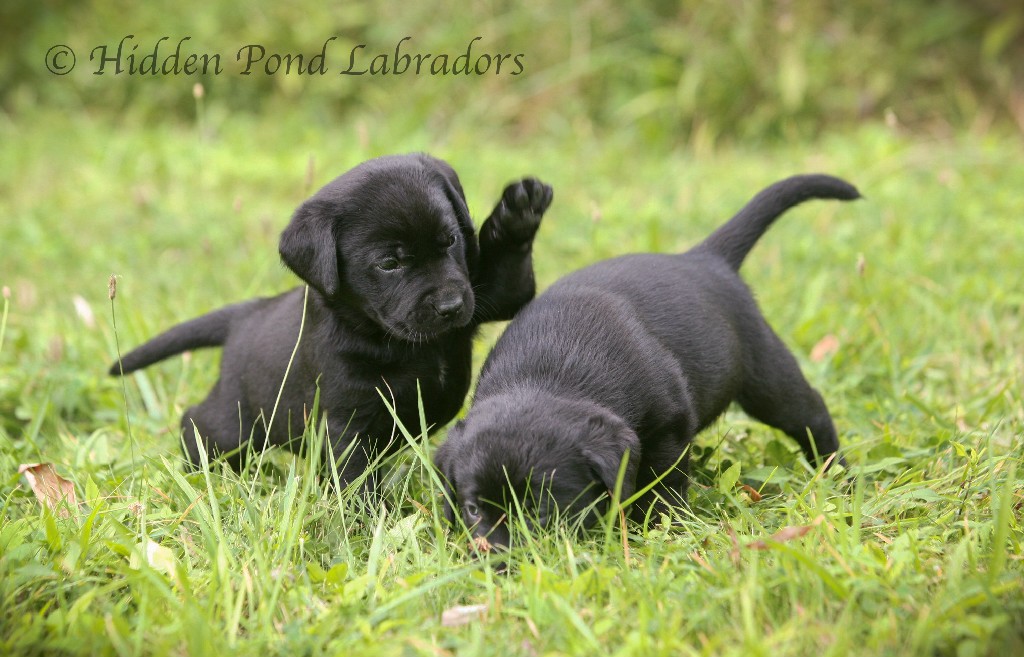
(504, 280)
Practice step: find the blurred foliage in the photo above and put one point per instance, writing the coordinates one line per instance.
(672, 71)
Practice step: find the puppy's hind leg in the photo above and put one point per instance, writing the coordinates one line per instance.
(207, 430)
(775, 392)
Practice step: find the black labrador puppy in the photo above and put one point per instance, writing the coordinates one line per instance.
(398, 284)
(627, 360)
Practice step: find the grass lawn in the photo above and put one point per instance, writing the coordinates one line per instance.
(906, 310)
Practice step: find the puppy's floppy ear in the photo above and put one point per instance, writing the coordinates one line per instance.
(309, 246)
(605, 442)
(443, 461)
(453, 192)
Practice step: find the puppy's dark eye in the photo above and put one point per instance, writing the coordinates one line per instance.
(472, 513)
(452, 239)
(388, 264)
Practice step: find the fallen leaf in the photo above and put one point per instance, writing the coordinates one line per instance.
(827, 346)
(50, 488)
(751, 492)
(157, 557)
(462, 615)
(786, 534)
(419, 507)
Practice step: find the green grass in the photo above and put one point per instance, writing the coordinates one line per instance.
(919, 284)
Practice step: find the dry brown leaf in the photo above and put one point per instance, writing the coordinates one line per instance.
(50, 488)
(827, 346)
(751, 492)
(419, 507)
(463, 615)
(786, 534)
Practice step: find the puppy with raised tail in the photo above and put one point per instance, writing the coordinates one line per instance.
(398, 284)
(629, 359)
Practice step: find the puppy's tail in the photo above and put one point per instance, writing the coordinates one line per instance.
(209, 330)
(734, 239)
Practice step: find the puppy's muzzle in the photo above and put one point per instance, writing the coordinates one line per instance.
(440, 311)
(448, 307)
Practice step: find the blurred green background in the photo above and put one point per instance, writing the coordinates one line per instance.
(673, 73)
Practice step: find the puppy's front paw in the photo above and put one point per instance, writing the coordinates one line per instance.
(518, 215)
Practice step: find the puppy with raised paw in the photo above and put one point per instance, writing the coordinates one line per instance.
(398, 284)
(629, 359)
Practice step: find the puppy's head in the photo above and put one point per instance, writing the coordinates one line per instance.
(539, 458)
(393, 240)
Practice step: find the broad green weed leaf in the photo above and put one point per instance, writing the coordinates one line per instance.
(727, 480)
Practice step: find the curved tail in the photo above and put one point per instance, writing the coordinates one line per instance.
(209, 330)
(734, 239)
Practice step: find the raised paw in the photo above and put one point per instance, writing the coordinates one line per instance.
(518, 214)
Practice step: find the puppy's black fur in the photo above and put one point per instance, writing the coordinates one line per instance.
(398, 285)
(631, 355)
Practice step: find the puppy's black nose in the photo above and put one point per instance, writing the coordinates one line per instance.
(448, 307)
